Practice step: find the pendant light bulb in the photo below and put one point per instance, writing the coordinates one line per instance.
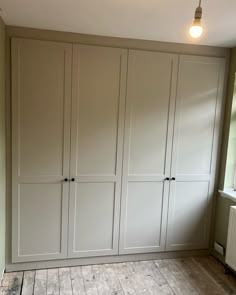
(196, 29)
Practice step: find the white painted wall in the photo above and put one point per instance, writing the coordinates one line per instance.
(161, 20)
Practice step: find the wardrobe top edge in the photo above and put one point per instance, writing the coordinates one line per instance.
(124, 43)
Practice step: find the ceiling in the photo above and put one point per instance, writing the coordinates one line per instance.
(162, 20)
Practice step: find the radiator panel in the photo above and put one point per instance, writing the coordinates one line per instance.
(231, 240)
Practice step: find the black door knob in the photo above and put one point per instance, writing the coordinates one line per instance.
(167, 178)
(66, 179)
(72, 179)
(172, 178)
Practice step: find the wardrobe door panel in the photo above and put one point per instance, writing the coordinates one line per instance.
(41, 109)
(40, 230)
(149, 87)
(196, 134)
(198, 89)
(147, 150)
(99, 80)
(94, 216)
(188, 213)
(143, 202)
(98, 105)
(41, 94)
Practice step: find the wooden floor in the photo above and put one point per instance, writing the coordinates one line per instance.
(201, 275)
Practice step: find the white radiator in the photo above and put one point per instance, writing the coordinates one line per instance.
(231, 240)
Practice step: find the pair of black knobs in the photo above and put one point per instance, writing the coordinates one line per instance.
(66, 179)
(167, 178)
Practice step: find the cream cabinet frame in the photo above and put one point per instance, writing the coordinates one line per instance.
(114, 151)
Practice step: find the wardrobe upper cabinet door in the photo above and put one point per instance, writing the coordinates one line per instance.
(41, 99)
(99, 79)
(196, 133)
(150, 105)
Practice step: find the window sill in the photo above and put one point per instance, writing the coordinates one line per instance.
(228, 193)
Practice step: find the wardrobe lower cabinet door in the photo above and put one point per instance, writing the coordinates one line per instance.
(194, 157)
(99, 79)
(150, 104)
(41, 99)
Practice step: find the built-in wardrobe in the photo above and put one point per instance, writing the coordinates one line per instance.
(114, 151)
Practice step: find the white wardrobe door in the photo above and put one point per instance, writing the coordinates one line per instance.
(147, 150)
(196, 132)
(99, 79)
(41, 95)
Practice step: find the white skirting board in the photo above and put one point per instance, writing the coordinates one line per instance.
(101, 260)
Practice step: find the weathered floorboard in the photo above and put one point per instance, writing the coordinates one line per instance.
(53, 282)
(28, 283)
(124, 278)
(175, 278)
(77, 281)
(137, 280)
(112, 279)
(153, 279)
(65, 281)
(11, 284)
(180, 276)
(89, 280)
(101, 281)
(200, 280)
(40, 285)
(216, 271)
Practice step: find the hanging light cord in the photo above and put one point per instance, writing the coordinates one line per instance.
(198, 11)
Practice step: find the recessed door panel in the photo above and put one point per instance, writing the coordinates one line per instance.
(150, 105)
(41, 80)
(198, 88)
(98, 110)
(41, 100)
(144, 214)
(94, 217)
(39, 218)
(149, 86)
(98, 106)
(188, 214)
